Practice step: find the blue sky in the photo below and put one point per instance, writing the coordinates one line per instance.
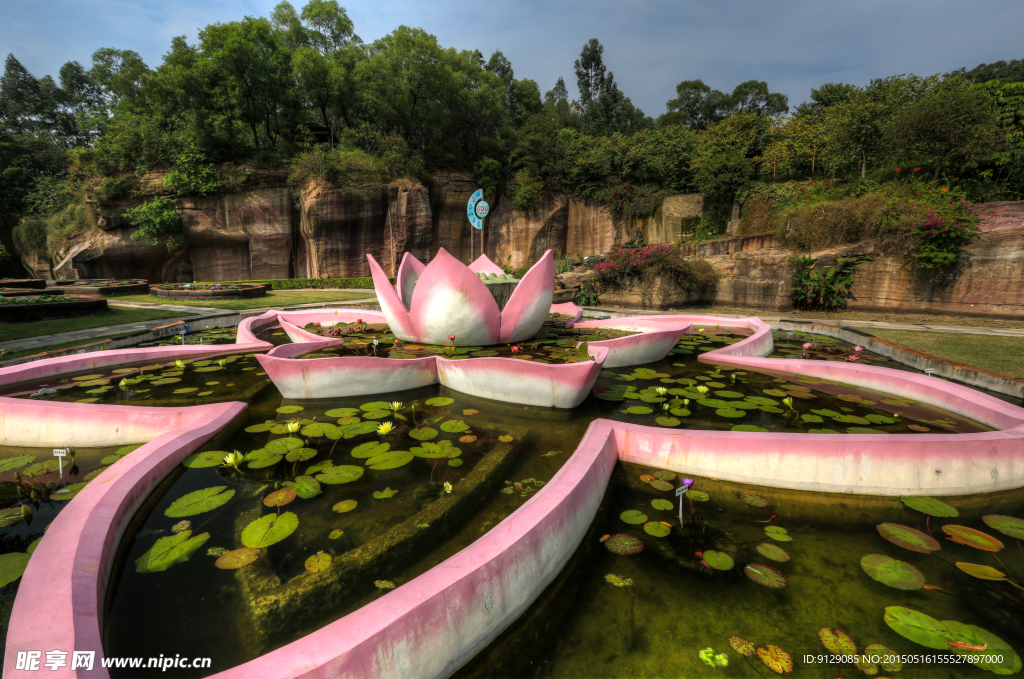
(651, 45)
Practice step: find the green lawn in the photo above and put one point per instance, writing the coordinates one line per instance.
(63, 345)
(276, 298)
(112, 316)
(1003, 355)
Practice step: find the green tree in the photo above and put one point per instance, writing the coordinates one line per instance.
(158, 219)
(853, 134)
(953, 122)
(590, 72)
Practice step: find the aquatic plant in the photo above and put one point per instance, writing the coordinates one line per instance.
(950, 635)
(269, 529)
(385, 429)
(233, 460)
(765, 576)
(624, 544)
(237, 558)
(891, 572)
(712, 659)
(199, 502)
(776, 659)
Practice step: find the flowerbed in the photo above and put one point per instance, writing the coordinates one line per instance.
(208, 291)
(34, 308)
(107, 287)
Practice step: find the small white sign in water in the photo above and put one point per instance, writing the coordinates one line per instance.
(60, 453)
(680, 492)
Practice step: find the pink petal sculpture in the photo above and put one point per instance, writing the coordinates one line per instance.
(446, 298)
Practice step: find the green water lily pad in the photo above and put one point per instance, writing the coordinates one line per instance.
(305, 487)
(423, 433)
(170, 550)
(110, 459)
(908, 538)
(236, 558)
(863, 430)
(633, 516)
(890, 660)
(318, 563)
(259, 428)
(664, 475)
(282, 446)
(698, 496)
(17, 461)
(301, 454)
(611, 396)
(286, 410)
(657, 529)
(679, 412)
(663, 505)
(889, 571)
(713, 403)
(811, 418)
(773, 552)
(742, 646)
(384, 494)
(281, 497)
(455, 463)
(667, 422)
(639, 410)
(440, 401)
(998, 656)
(264, 460)
(270, 529)
(981, 572)
(837, 641)
(208, 458)
(624, 544)
(771, 409)
(199, 501)
(748, 427)
(373, 406)
(454, 426)
(765, 576)
(778, 533)
(918, 627)
(318, 467)
(344, 473)
(369, 449)
(12, 566)
(389, 460)
(720, 561)
(336, 533)
(972, 538)
(1007, 525)
(319, 429)
(68, 492)
(779, 393)
(821, 431)
(762, 401)
(729, 412)
(825, 412)
(930, 506)
(358, 429)
(728, 394)
(342, 412)
(879, 419)
(344, 506)
(756, 500)
(652, 398)
(851, 419)
(658, 484)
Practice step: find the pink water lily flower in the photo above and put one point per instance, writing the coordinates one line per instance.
(434, 299)
(807, 345)
(857, 347)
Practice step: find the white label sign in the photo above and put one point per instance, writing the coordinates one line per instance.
(60, 452)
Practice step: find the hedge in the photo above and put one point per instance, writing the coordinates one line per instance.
(363, 283)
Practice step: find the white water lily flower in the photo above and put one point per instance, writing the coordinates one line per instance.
(447, 487)
(396, 406)
(661, 390)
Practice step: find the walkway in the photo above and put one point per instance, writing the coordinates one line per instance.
(611, 312)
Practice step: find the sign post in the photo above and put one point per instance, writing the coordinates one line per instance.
(476, 209)
(60, 453)
(680, 493)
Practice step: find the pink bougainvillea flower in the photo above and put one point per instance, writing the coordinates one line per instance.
(917, 169)
(432, 300)
(897, 169)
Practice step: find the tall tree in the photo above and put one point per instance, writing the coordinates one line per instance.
(590, 72)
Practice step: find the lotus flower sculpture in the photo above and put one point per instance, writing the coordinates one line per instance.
(446, 297)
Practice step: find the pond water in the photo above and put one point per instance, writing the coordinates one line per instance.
(323, 514)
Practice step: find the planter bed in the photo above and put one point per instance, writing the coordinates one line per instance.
(210, 291)
(61, 306)
(107, 287)
(33, 283)
(22, 292)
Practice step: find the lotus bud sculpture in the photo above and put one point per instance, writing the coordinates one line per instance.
(446, 297)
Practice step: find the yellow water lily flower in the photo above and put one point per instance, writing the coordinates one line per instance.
(702, 389)
(385, 428)
(661, 390)
(180, 365)
(292, 427)
(233, 459)
(396, 406)
(447, 487)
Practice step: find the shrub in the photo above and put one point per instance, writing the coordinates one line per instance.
(624, 265)
(635, 202)
(340, 168)
(827, 288)
(30, 236)
(159, 218)
(193, 175)
(50, 195)
(115, 189)
(527, 190)
(486, 173)
(365, 283)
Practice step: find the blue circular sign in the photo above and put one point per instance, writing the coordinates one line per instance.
(482, 208)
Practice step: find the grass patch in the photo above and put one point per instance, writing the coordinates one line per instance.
(64, 345)
(275, 298)
(96, 319)
(998, 354)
